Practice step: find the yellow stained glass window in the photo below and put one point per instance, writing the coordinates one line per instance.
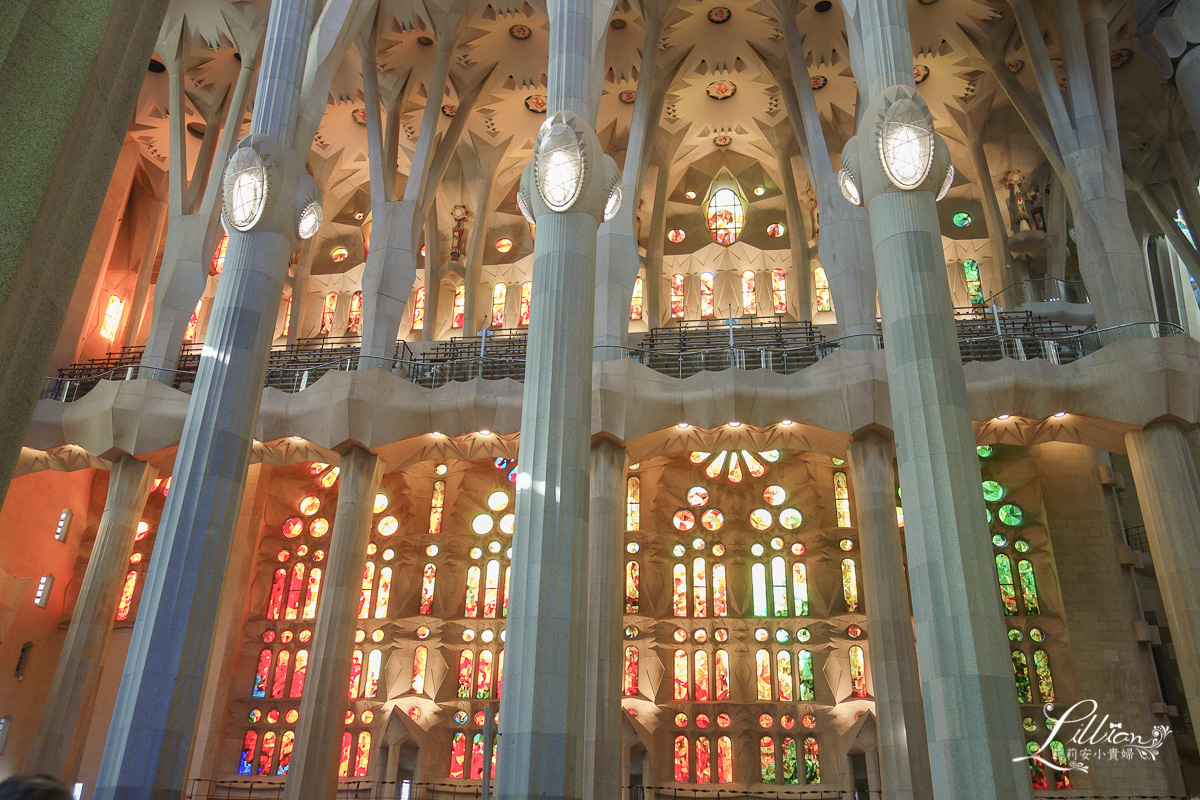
(526, 299)
(354, 317)
(499, 298)
(821, 283)
(726, 216)
(418, 310)
(112, 317)
(637, 305)
(707, 301)
(677, 296)
(460, 305)
(328, 309)
(749, 298)
(850, 584)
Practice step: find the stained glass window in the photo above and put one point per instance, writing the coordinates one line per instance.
(287, 317)
(1007, 591)
(374, 667)
(749, 298)
(629, 683)
(435, 507)
(677, 296)
(364, 599)
(699, 588)
(726, 216)
(638, 302)
(783, 672)
(766, 758)
(458, 755)
(279, 684)
(471, 604)
(812, 761)
(679, 590)
(189, 333)
(758, 580)
(466, 668)
(791, 771)
(262, 674)
(850, 584)
(703, 761)
(328, 309)
(800, 589)
(682, 682)
(362, 758)
(384, 592)
(1041, 665)
(130, 585)
(762, 664)
(633, 504)
(721, 674)
(858, 672)
(285, 752)
(477, 757)
(483, 685)
(428, 578)
(218, 259)
(974, 287)
(724, 760)
(526, 298)
(806, 688)
(266, 754)
(701, 676)
(821, 283)
(720, 590)
(841, 499)
(112, 317)
(275, 604)
(1021, 675)
(354, 317)
(499, 298)
(249, 744)
(1058, 755)
(681, 759)
(499, 682)
(707, 302)
(491, 590)
(1029, 592)
(295, 592)
(779, 589)
(631, 587)
(356, 666)
(311, 592)
(779, 291)
(1037, 774)
(299, 670)
(420, 661)
(344, 762)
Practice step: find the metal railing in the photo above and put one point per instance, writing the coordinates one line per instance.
(1041, 290)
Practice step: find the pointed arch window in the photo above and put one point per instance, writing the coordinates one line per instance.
(328, 309)
(726, 216)
(821, 283)
(420, 661)
(677, 296)
(418, 310)
(460, 305)
(638, 303)
(354, 317)
(749, 298)
(526, 300)
(499, 298)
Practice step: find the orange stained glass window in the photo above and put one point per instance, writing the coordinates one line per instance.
(778, 291)
(471, 602)
(374, 667)
(384, 594)
(466, 666)
(812, 761)
(841, 499)
(499, 678)
(850, 584)
(721, 673)
(460, 305)
(112, 317)
(681, 759)
(344, 765)
(249, 745)
(328, 309)
(526, 298)
(311, 593)
(720, 591)
(125, 605)
(703, 761)
(726, 216)
(275, 603)
(504, 593)
(477, 757)
(420, 661)
(735, 469)
(699, 588)
(418, 310)
(762, 665)
(483, 683)
(708, 306)
(189, 333)
(677, 296)
(299, 670)
(279, 684)
(354, 318)
(262, 674)
(364, 599)
(356, 665)
(362, 759)
(285, 752)
(749, 298)
(435, 507)
(629, 683)
(858, 672)
(633, 504)
(679, 590)
(295, 592)
(287, 317)
(218, 259)
(499, 298)
(701, 674)
(491, 589)
(267, 753)
(821, 283)
(638, 303)
(766, 759)
(428, 578)
(632, 576)
(458, 755)
(724, 760)
(783, 665)
(682, 680)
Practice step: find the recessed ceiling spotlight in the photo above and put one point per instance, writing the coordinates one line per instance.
(485, 432)
(684, 425)
(735, 424)
(1004, 416)
(1061, 414)
(785, 422)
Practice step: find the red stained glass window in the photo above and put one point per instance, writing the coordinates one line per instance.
(681, 759)
(262, 674)
(460, 304)
(435, 507)
(364, 599)
(311, 593)
(299, 670)
(703, 761)
(629, 683)
(458, 755)
(418, 310)
(420, 661)
(471, 603)
(724, 760)
(483, 686)
(295, 592)
(779, 291)
(526, 299)
(466, 664)
(125, 605)
(383, 595)
(427, 583)
(344, 764)
(266, 753)
(677, 296)
(279, 684)
(285, 752)
(275, 604)
(362, 759)
(356, 665)
(354, 318)
(328, 309)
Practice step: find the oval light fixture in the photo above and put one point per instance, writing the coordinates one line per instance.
(849, 187)
(906, 144)
(245, 188)
(558, 164)
(947, 182)
(614, 203)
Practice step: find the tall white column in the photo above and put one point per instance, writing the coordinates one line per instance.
(58, 745)
(150, 736)
(316, 757)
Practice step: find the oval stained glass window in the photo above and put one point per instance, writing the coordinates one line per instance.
(1011, 515)
(482, 524)
(497, 501)
(309, 506)
(684, 520)
(319, 527)
(387, 526)
(509, 520)
(291, 529)
(760, 519)
(774, 495)
(712, 519)
(846, 544)
(381, 503)
(1000, 540)
(984, 450)
(723, 720)
(726, 216)
(697, 496)
(676, 235)
(790, 518)
(992, 491)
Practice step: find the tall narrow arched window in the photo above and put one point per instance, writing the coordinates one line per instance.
(267, 753)
(477, 757)
(1041, 666)
(682, 681)
(821, 284)
(458, 755)
(279, 683)
(1037, 774)
(249, 745)
(858, 672)
(762, 668)
(499, 298)
(778, 291)
(299, 671)
(125, 604)
(344, 761)
(384, 594)
(428, 577)
(629, 681)
(806, 690)
(356, 671)
(681, 759)
(218, 259)
(700, 676)
(1029, 591)
(632, 589)
(766, 759)
(679, 590)
(812, 761)
(721, 675)
(262, 674)
(726, 216)
(677, 296)
(791, 766)
(638, 302)
(287, 317)
(328, 309)
(703, 760)
(708, 306)
(491, 589)
(749, 298)
(275, 603)
(971, 276)
(295, 592)
(850, 585)
(354, 318)
(800, 589)
(783, 674)
(841, 499)
(466, 672)
(362, 759)
(420, 661)
(1021, 676)
(435, 507)
(311, 592)
(368, 581)
(471, 602)
(1007, 590)
(699, 588)
(720, 591)
(779, 588)
(1058, 755)
(286, 744)
(460, 305)
(112, 317)
(758, 581)
(189, 333)
(724, 760)
(483, 682)
(526, 300)
(418, 310)
(633, 504)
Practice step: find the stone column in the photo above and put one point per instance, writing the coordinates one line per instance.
(903, 749)
(603, 776)
(1164, 475)
(966, 674)
(313, 774)
(58, 745)
(152, 728)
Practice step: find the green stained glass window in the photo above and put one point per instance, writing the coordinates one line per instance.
(766, 756)
(1014, 635)
(1036, 773)
(807, 690)
(1028, 724)
(1021, 676)
(1007, 591)
(971, 275)
(992, 491)
(1021, 546)
(1011, 515)
(1041, 665)
(984, 450)
(812, 761)
(1029, 592)
(791, 775)
(999, 539)
(1037, 634)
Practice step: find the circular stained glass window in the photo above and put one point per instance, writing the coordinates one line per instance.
(984, 450)
(701, 720)
(507, 523)
(766, 720)
(697, 496)
(372, 549)
(367, 716)
(318, 555)
(387, 526)
(962, 220)
(681, 720)
(777, 543)
(990, 515)
(774, 495)
(631, 631)
(349, 717)
(1015, 635)
(292, 715)
(1028, 724)
(1011, 515)
(775, 230)
(309, 506)
(803, 635)
(684, 520)
(633, 547)
(698, 544)
(319, 527)
(431, 551)
(360, 635)
(255, 715)
(377, 636)
(680, 635)
(487, 636)
(414, 712)
(283, 555)
(440, 469)
(846, 544)
(790, 518)
(756, 549)
(700, 635)
(1037, 634)
(721, 634)
(761, 634)
(1000, 540)
(268, 636)
(286, 636)
(381, 503)
(504, 244)
(293, 527)
(302, 551)
(272, 717)
(853, 631)
(678, 550)
(389, 554)
(723, 720)
(468, 635)
(423, 632)
(460, 718)
(992, 491)
(718, 549)
(782, 635)
(712, 519)
(797, 549)
(304, 635)
(676, 235)
(135, 558)
(787, 721)
(482, 524)
(760, 519)
(476, 552)
(1021, 546)
(497, 501)
(808, 721)
(493, 547)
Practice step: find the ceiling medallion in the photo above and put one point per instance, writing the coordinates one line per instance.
(719, 14)
(722, 140)
(1120, 58)
(359, 115)
(449, 110)
(1016, 65)
(627, 97)
(721, 90)
(920, 73)
(819, 82)
(536, 103)
(520, 32)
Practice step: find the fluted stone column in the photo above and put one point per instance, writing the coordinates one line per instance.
(1164, 474)
(150, 736)
(316, 757)
(903, 749)
(58, 745)
(603, 776)
(966, 674)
